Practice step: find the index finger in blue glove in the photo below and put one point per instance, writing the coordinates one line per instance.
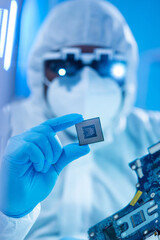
(70, 153)
(61, 123)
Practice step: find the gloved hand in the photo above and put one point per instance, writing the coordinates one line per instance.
(32, 163)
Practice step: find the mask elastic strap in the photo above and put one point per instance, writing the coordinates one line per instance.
(46, 82)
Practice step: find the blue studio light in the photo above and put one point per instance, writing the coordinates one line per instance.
(3, 29)
(62, 72)
(10, 35)
(118, 70)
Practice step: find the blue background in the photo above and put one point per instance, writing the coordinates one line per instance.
(143, 17)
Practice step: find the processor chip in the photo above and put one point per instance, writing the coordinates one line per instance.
(137, 218)
(89, 131)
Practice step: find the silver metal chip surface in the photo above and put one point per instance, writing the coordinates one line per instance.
(89, 131)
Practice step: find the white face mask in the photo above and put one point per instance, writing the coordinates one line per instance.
(86, 93)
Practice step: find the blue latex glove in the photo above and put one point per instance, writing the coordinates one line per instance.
(32, 163)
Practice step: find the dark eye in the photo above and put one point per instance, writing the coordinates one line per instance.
(62, 68)
(72, 66)
(55, 65)
(52, 66)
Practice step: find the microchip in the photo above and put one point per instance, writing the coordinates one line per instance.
(109, 233)
(89, 131)
(137, 218)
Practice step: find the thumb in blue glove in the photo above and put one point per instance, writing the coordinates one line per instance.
(32, 163)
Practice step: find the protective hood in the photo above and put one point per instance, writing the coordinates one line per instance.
(83, 22)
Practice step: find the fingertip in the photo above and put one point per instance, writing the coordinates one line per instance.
(38, 166)
(86, 148)
(79, 117)
(71, 152)
(74, 150)
(37, 169)
(46, 167)
(74, 117)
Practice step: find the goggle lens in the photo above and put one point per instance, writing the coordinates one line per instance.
(115, 69)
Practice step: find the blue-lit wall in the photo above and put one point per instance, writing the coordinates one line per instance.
(144, 20)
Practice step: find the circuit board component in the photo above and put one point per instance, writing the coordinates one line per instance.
(140, 219)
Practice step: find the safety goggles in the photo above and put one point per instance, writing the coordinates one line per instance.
(69, 61)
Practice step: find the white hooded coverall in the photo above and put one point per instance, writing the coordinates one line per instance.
(97, 185)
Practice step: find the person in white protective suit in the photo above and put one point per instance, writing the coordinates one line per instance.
(101, 182)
